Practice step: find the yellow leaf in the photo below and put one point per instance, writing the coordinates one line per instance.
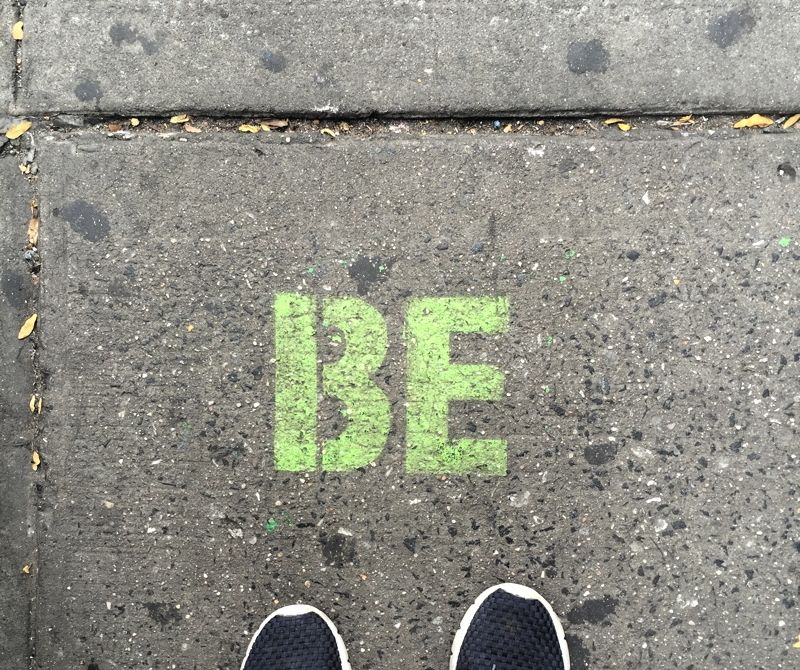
(26, 569)
(36, 461)
(189, 328)
(796, 645)
(249, 128)
(611, 122)
(508, 128)
(17, 31)
(24, 168)
(179, 118)
(33, 225)
(189, 128)
(624, 127)
(794, 118)
(327, 131)
(32, 403)
(135, 122)
(686, 119)
(18, 130)
(27, 327)
(39, 406)
(754, 121)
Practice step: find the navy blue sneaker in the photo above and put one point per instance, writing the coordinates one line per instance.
(296, 637)
(510, 627)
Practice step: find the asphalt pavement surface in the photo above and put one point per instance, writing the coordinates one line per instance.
(378, 365)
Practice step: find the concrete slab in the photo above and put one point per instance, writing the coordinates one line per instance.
(16, 426)
(7, 54)
(413, 58)
(650, 369)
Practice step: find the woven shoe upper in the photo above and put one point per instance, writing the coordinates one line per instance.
(510, 633)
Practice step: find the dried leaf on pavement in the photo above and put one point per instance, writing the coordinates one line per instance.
(612, 121)
(18, 129)
(179, 118)
(36, 461)
(33, 225)
(26, 569)
(274, 123)
(17, 30)
(32, 404)
(189, 128)
(794, 118)
(135, 122)
(249, 128)
(27, 327)
(624, 127)
(328, 131)
(754, 121)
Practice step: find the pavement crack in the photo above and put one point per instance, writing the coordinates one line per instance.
(16, 74)
(32, 258)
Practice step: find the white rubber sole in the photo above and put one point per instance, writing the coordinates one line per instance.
(516, 590)
(297, 610)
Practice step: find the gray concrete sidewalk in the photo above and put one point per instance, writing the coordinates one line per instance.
(381, 369)
(7, 55)
(444, 58)
(650, 372)
(16, 423)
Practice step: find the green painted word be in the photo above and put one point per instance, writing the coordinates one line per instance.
(432, 382)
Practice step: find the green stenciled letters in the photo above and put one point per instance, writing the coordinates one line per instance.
(433, 381)
(349, 380)
(295, 383)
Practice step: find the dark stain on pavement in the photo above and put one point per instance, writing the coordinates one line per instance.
(787, 172)
(578, 654)
(163, 613)
(122, 32)
(656, 300)
(729, 28)
(87, 90)
(273, 61)
(593, 611)
(367, 271)
(600, 454)
(338, 549)
(584, 57)
(86, 220)
(16, 287)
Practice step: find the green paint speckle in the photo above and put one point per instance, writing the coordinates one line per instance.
(785, 242)
(312, 270)
(549, 340)
(570, 254)
(546, 389)
(562, 279)
(271, 525)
